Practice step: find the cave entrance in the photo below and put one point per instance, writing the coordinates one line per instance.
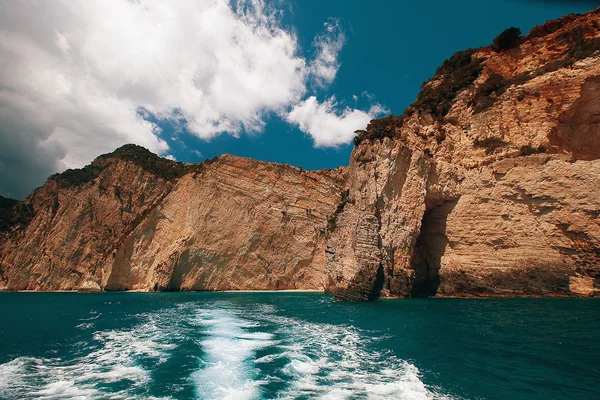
(430, 247)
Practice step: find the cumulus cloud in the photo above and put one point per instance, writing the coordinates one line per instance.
(80, 78)
(328, 124)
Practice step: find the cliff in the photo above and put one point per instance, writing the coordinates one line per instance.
(134, 221)
(488, 185)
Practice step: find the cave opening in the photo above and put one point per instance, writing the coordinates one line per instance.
(180, 269)
(377, 284)
(430, 247)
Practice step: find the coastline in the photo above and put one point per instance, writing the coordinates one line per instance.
(322, 291)
(273, 291)
(146, 291)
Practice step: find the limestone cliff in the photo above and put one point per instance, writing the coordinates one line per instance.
(488, 185)
(134, 221)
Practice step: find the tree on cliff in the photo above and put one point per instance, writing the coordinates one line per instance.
(507, 39)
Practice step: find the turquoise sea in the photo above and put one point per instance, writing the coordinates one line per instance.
(295, 346)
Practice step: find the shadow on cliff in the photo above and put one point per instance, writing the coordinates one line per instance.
(429, 249)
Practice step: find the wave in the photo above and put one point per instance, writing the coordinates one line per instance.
(114, 356)
(87, 323)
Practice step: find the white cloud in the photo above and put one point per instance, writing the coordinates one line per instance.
(325, 65)
(329, 125)
(79, 78)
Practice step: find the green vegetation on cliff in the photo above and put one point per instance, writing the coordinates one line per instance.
(455, 74)
(78, 176)
(460, 71)
(13, 213)
(150, 162)
(507, 39)
(6, 202)
(436, 96)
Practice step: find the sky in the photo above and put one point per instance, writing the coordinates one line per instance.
(277, 80)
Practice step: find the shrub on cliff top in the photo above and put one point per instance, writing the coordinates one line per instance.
(6, 202)
(507, 39)
(379, 129)
(149, 161)
(551, 26)
(78, 176)
(14, 213)
(138, 155)
(456, 73)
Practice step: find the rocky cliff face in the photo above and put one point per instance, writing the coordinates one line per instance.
(133, 221)
(488, 185)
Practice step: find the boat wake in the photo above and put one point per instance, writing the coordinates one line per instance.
(313, 360)
(229, 349)
(240, 354)
(337, 362)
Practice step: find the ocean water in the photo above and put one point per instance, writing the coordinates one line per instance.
(295, 346)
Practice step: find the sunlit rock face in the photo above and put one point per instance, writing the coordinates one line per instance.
(230, 223)
(488, 185)
(493, 193)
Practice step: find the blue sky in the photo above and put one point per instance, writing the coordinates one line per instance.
(276, 80)
(391, 47)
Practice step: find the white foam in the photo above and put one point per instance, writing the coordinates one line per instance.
(134, 374)
(116, 357)
(315, 360)
(334, 362)
(228, 371)
(304, 368)
(84, 326)
(11, 374)
(337, 394)
(64, 390)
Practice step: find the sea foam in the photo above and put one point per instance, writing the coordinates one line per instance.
(243, 353)
(319, 360)
(229, 349)
(329, 361)
(114, 356)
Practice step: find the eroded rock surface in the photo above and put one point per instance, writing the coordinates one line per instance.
(496, 195)
(230, 223)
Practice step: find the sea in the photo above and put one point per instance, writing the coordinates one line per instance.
(295, 346)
